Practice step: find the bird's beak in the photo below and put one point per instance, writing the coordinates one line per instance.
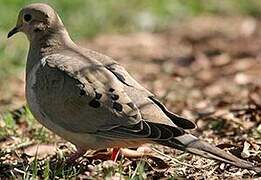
(13, 31)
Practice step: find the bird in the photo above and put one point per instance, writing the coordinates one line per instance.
(90, 100)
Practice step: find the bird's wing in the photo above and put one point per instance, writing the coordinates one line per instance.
(83, 95)
(149, 106)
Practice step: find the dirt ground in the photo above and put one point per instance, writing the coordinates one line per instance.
(208, 70)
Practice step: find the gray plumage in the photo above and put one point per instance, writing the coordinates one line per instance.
(92, 101)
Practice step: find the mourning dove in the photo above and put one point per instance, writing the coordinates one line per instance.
(91, 100)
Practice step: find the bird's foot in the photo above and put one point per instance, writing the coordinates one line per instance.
(111, 155)
(130, 153)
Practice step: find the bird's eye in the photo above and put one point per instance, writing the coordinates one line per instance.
(27, 17)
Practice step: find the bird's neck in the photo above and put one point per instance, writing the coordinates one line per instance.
(46, 44)
(51, 41)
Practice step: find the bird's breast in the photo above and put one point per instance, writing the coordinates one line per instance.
(48, 101)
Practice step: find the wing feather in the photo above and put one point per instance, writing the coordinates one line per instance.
(114, 114)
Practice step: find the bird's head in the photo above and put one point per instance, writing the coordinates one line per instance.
(36, 20)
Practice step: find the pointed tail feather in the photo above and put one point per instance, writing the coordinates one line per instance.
(196, 146)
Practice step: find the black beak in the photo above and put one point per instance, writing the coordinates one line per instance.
(12, 32)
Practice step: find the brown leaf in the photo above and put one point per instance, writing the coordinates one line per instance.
(40, 150)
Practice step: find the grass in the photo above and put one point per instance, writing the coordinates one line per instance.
(12, 127)
(86, 19)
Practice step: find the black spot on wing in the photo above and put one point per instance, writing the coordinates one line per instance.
(111, 89)
(94, 103)
(98, 95)
(117, 106)
(115, 97)
(82, 92)
(81, 88)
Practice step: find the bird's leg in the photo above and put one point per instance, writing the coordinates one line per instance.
(75, 155)
(115, 153)
(141, 151)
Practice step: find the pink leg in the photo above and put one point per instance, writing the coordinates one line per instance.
(74, 156)
(115, 153)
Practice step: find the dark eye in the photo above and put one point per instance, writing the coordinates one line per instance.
(27, 17)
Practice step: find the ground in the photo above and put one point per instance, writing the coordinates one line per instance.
(207, 69)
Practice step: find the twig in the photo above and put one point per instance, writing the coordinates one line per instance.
(20, 171)
(173, 159)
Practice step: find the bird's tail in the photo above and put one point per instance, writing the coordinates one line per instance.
(192, 144)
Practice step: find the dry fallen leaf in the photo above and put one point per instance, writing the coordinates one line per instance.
(40, 150)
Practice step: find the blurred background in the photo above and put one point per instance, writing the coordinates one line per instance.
(87, 19)
(201, 57)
